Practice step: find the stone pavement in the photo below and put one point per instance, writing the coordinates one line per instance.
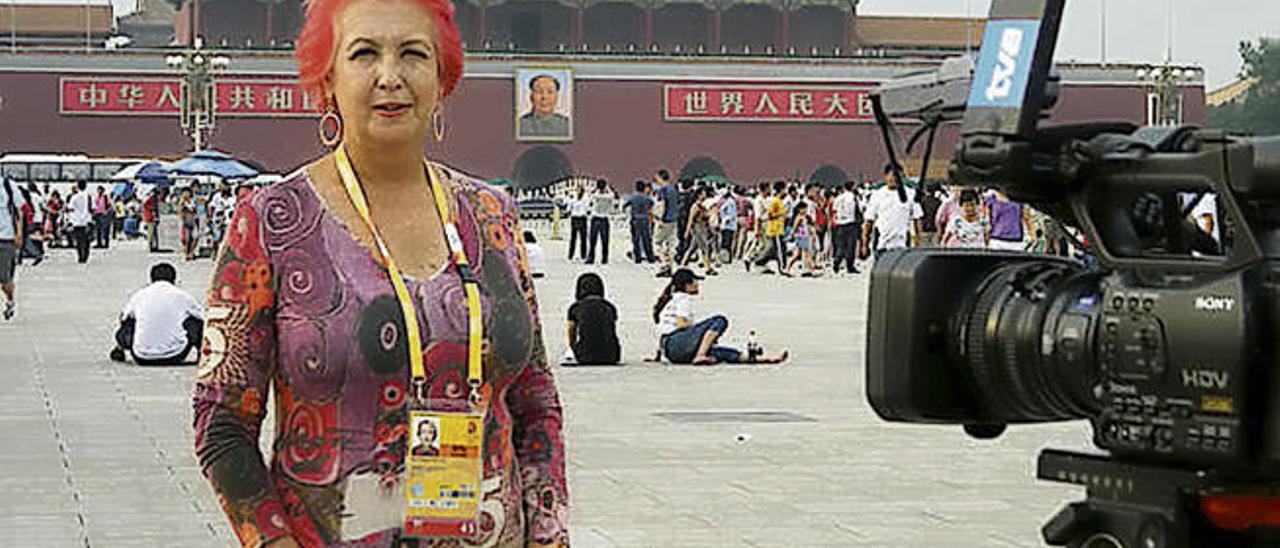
(96, 453)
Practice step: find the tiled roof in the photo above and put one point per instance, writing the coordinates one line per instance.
(918, 32)
(45, 19)
(1230, 93)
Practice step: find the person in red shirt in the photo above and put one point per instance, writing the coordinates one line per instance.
(151, 218)
(30, 245)
(821, 222)
(54, 217)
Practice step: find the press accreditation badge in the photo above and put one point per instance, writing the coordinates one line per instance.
(442, 474)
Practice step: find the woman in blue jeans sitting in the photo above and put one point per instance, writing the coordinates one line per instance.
(683, 340)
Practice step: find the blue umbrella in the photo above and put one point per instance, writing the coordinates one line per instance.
(150, 172)
(212, 162)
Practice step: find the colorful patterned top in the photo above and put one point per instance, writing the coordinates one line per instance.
(298, 305)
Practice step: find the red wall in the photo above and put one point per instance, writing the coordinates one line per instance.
(619, 132)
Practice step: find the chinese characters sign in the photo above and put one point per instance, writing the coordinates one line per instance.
(767, 103)
(163, 97)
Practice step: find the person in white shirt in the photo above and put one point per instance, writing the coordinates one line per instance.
(161, 323)
(81, 214)
(845, 236)
(579, 210)
(603, 205)
(221, 204)
(536, 256)
(894, 213)
(684, 340)
(10, 239)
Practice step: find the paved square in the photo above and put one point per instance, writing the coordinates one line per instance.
(96, 453)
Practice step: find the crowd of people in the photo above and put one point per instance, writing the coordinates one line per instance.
(35, 218)
(802, 228)
(779, 227)
(788, 228)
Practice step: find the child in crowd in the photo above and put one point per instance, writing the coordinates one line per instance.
(803, 235)
(970, 228)
(592, 325)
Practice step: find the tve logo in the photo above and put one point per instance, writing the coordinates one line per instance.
(1004, 64)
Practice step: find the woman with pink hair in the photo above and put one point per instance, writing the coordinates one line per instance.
(367, 289)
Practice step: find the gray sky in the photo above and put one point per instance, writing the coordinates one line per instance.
(1205, 32)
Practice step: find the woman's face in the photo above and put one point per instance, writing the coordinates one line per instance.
(692, 287)
(426, 432)
(385, 79)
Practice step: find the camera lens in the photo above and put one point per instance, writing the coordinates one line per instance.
(1027, 340)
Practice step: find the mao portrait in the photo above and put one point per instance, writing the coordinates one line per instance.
(544, 103)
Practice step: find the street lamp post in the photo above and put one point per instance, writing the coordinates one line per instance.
(1164, 98)
(198, 67)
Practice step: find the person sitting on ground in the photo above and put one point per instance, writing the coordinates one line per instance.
(161, 323)
(592, 327)
(534, 253)
(686, 341)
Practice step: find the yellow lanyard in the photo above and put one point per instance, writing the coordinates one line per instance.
(457, 255)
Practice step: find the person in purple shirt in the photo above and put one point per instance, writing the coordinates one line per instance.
(1010, 222)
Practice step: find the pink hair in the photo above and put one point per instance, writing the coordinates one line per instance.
(315, 50)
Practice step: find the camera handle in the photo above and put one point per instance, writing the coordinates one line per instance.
(1131, 505)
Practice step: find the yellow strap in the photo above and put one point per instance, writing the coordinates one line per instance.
(475, 371)
(475, 325)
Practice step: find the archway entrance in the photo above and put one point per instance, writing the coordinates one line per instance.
(540, 166)
(828, 176)
(700, 167)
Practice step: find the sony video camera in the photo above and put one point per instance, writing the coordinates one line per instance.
(1164, 338)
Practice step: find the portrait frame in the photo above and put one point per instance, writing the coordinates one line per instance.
(417, 441)
(525, 131)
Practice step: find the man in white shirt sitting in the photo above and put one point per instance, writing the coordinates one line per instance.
(161, 323)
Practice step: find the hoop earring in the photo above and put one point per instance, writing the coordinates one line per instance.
(437, 125)
(330, 117)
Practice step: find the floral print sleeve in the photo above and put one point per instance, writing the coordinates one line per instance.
(539, 445)
(237, 362)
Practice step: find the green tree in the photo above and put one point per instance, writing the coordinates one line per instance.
(1259, 112)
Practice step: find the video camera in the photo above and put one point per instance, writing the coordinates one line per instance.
(1164, 343)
